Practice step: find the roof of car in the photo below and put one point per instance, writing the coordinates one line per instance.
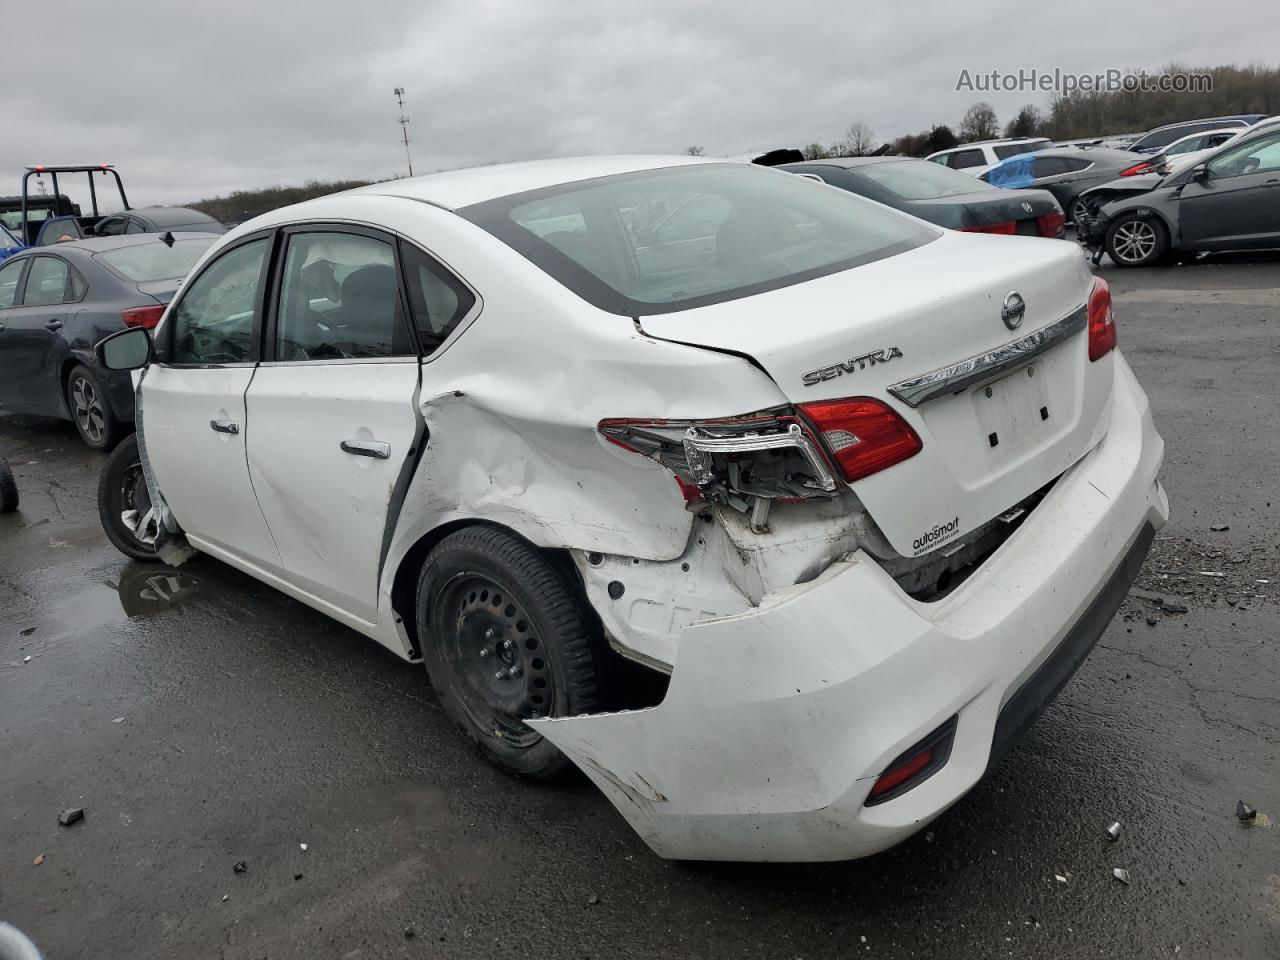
(847, 162)
(1085, 153)
(169, 216)
(1246, 117)
(990, 143)
(453, 189)
(91, 245)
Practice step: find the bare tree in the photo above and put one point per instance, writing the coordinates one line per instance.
(815, 151)
(1027, 123)
(979, 123)
(859, 140)
(693, 151)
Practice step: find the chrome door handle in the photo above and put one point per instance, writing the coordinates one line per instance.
(367, 448)
(225, 426)
(53, 326)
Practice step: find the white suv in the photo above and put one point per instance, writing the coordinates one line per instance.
(777, 511)
(977, 158)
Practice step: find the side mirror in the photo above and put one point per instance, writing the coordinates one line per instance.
(1201, 172)
(127, 350)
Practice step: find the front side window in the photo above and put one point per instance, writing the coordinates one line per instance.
(46, 283)
(213, 322)
(657, 241)
(135, 226)
(439, 300)
(1256, 156)
(340, 299)
(9, 276)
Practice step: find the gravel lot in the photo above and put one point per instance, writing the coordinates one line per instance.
(203, 719)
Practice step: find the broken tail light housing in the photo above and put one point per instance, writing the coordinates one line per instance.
(1052, 224)
(1102, 322)
(914, 765)
(146, 317)
(1008, 228)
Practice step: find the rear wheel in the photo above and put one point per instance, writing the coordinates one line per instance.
(91, 411)
(124, 503)
(505, 640)
(1137, 241)
(8, 489)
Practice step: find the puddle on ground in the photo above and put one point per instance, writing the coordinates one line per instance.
(146, 589)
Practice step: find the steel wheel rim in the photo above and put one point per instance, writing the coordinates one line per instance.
(87, 409)
(498, 670)
(1134, 241)
(1079, 212)
(137, 515)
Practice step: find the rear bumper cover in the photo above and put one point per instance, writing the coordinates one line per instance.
(778, 720)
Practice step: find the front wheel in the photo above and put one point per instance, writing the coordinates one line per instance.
(1137, 241)
(505, 640)
(124, 503)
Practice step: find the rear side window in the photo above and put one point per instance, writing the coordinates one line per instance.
(46, 283)
(213, 321)
(438, 299)
(967, 158)
(340, 299)
(1005, 151)
(657, 241)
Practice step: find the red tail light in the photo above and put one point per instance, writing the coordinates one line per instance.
(914, 766)
(1102, 324)
(1008, 229)
(1052, 224)
(1137, 169)
(142, 317)
(863, 435)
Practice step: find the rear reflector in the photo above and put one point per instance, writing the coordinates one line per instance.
(863, 435)
(1009, 228)
(1102, 323)
(146, 317)
(1137, 169)
(1052, 224)
(915, 765)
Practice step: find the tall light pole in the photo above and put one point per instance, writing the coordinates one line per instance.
(404, 128)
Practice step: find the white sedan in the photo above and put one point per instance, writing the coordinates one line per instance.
(778, 512)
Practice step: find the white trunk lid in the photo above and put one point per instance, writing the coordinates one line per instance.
(861, 331)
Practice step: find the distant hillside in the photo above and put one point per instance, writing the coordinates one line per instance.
(246, 204)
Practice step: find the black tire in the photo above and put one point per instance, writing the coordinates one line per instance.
(1081, 213)
(8, 489)
(1134, 240)
(123, 491)
(90, 410)
(484, 589)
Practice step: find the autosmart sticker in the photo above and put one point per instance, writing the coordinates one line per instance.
(940, 533)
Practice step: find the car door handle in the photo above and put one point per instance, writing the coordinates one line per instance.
(224, 426)
(367, 448)
(1272, 183)
(53, 326)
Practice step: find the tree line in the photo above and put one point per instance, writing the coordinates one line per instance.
(1080, 114)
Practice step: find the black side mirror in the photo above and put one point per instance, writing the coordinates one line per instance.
(127, 350)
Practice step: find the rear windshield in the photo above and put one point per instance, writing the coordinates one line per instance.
(156, 261)
(920, 180)
(658, 241)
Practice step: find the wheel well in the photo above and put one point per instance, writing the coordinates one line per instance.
(404, 587)
(64, 378)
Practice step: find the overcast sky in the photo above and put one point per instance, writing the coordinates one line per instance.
(194, 100)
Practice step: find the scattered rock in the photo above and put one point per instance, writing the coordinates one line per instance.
(1219, 527)
(1245, 813)
(409, 932)
(38, 860)
(593, 900)
(1152, 621)
(297, 876)
(226, 897)
(26, 631)
(68, 817)
(118, 720)
(1168, 607)
(240, 866)
(1121, 874)
(302, 847)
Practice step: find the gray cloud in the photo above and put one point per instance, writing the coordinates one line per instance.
(193, 100)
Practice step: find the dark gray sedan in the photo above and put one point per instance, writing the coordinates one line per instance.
(1067, 172)
(157, 220)
(942, 196)
(57, 302)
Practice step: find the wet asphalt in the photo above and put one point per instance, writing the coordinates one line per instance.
(202, 719)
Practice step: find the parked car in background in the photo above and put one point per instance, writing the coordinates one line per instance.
(852, 495)
(1159, 138)
(1229, 201)
(976, 159)
(945, 197)
(1066, 172)
(35, 208)
(157, 220)
(56, 303)
(9, 244)
(39, 207)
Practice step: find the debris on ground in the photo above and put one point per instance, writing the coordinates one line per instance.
(1245, 813)
(27, 658)
(593, 899)
(38, 860)
(297, 876)
(1113, 832)
(1219, 527)
(1152, 621)
(1168, 607)
(302, 847)
(409, 932)
(73, 815)
(226, 897)
(26, 631)
(240, 866)
(1060, 878)
(118, 720)
(1121, 874)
